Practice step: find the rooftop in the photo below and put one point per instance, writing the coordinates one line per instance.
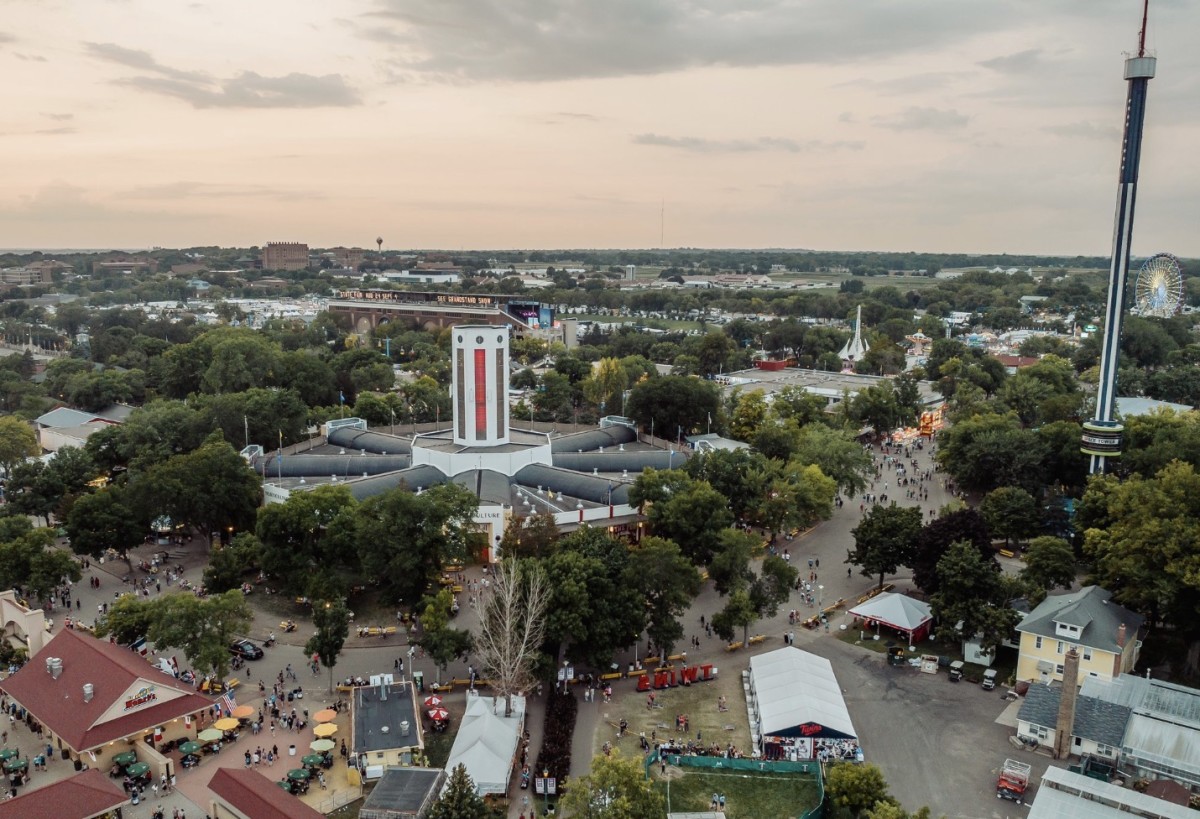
(256, 797)
(82, 796)
(379, 711)
(1091, 609)
(403, 790)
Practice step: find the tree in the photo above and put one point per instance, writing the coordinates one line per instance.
(512, 626)
(614, 789)
(331, 619)
(837, 454)
(754, 596)
(687, 511)
(885, 540)
(31, 562)
(533, 535)
(973, 597)
(935, 538)
(988, 451)
(403, 539)
(227, 565)
(441, 642)
(102, 521)
(1049, 564)
(796, 496)
(128, 619)
(1010, 512)
(668, 582)
(305, 532)
(459, 800)
(17, 442)
(854, 789)
(673, 405)
(202, 628)
(749, 413)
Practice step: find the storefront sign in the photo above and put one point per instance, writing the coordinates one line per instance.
(143, 696)
(810, 729)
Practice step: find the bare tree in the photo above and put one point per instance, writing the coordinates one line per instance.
(512, 627)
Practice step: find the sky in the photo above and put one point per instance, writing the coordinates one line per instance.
(922, 125)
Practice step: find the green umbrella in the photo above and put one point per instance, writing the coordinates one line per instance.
(7, 754)
(297, 775)
(189, 748)
(137, 769)
(16, 764)
(211, 735)
(125, 758)
(283, 783)
(313, 760)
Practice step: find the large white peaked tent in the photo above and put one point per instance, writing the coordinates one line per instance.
(487, 742)
(796, 695)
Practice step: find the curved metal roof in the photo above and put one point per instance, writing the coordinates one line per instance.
(573, 484)
(418, 476)
(486, 484)
(593, 439)
(633, 462)
(317, 466)
(376, 442)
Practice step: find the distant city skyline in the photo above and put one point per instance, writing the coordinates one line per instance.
(942, 126)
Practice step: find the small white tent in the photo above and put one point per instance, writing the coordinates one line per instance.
(487, 742)
(897, 611)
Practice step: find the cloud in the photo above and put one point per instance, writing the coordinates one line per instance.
(6, 38)
(1019, 63)
(63, 129)
(911, 84)
(61, 203)
(923, 119)
(30, 58)
(1084, 130)
(546, 40)
(190, 189)
(58, 117)
(245, 90)
(702, 145)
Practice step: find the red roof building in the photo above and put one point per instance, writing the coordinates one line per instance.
(83, 796)
(90, 692)
(247, 794)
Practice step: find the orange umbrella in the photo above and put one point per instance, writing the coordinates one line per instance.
(243, 712)
(327, 715)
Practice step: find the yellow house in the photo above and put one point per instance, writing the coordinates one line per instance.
(1106, 634)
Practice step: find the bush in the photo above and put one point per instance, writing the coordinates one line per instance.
(555, 755)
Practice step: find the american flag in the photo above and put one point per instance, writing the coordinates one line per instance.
(228, 703)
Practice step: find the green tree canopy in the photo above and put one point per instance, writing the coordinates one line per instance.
(331, 619)
(614, 789)
(885, 540)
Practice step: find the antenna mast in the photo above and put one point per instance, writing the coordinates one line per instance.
(1142, 33)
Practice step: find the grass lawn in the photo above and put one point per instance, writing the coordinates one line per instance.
(655, 323)
(698, 701)
(748, 794)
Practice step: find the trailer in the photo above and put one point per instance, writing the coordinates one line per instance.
(1013, 780)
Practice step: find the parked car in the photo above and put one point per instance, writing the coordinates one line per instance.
(246, 650)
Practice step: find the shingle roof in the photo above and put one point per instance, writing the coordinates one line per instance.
(113, 672)
(65, 417)
(80, 797)
(1090, 609)
(257, 797)
(1095, 719)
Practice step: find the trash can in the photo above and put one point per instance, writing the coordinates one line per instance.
(419, 681)
(291, 750)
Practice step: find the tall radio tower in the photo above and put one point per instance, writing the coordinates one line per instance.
(1102, 435)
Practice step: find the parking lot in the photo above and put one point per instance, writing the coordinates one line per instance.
(937, 742)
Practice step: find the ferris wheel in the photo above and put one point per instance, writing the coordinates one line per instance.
(1159, 288)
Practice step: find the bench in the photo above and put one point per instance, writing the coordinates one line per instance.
(616, 675)
(1007, 553)
(757, 638)
(678, 658)
(733, 646)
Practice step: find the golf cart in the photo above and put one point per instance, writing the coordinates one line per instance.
(989, 679)
(1013, 780)
(956, 671)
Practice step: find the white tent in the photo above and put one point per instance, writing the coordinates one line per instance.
(897, 611)
(487, 742)
(793, 688)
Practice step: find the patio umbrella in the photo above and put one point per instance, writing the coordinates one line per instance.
(298, 774)
(283, 783)
(312, 760)
(433, 701)
(7, 754)
(243, 712)
(16, 764)
(189, 748)
(137, 769)
(210, 735)
(328, 729)
(438, 714)
(125, 758)
(323, 745)
(325, 715)
(227, 724)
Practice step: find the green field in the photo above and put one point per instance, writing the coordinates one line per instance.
(748, 795)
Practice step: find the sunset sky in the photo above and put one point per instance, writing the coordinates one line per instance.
(929, 125)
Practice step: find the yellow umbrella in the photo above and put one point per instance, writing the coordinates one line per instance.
(328, 729)
(327, 715)
(243, 711)
(227, 724)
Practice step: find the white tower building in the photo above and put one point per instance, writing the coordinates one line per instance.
(480, 385)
